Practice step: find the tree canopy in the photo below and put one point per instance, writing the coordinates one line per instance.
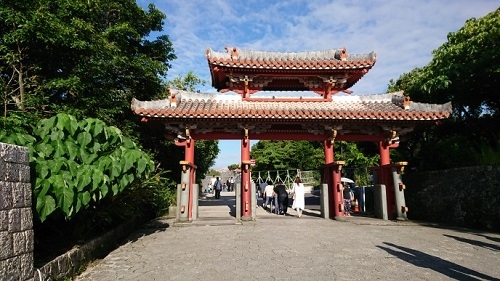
(307, 156)
(466, 71)
(87, 58)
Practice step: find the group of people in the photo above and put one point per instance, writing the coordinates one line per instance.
(279, 196)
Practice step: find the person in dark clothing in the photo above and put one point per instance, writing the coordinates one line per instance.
(282, 195)
(348, 197)
(217, 187)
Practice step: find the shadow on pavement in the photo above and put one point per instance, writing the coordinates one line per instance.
(437, 264)
(475, 242)
(148, 228)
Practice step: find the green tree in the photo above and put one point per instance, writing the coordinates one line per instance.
(190, 82)
(357, 161)
(233, 167)
(304, 155)
(166, 152)
(88, 58)
(466, 71)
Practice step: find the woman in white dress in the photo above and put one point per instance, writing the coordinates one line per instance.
(298, 196)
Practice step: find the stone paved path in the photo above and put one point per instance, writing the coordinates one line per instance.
(290, 248)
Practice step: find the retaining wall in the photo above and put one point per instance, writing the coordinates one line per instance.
(468, 197)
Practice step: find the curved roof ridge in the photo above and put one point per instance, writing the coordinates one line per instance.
(289, 56)
(386, 97)
(417, 106)
(188, 95)
(160, 103)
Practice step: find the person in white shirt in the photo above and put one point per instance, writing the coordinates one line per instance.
(269, 191)
(231, 184)
(298, 191)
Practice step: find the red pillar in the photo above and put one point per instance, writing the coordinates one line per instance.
(328, 177)
(328, 148)
(189, 156)
(386, 179)
(332, 178)
(246, 199)
(385, 157)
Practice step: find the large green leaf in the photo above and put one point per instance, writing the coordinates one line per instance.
(98, 128)
(114, 135)
(56, 135)
(129, 158)
(45, 205)
(55, 165)
(96, 147)
(104, 190)
(97, 179)
(103, 163)
(84, 138)
(61, 121)
(44, 127)
(142, 163)
(124, 182)
(128, 143)
(84, 178)
(83, 200)
(42, 169)
(59, 148)
(116, 170)
(44, 150)
(64, 194)
(73, 167)
(72, 149)
(42, 187)
(115, 188)
(86, 156)
(68, 178)
(71, 125)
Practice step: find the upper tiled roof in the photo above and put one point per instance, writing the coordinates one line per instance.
(330, 59)
(323, 72)
(383, 107)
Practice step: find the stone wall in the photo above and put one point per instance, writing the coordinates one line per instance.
(70, 263)
(16, 220)
(468, 197)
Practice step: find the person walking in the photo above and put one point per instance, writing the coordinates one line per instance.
(269, 193)
(282, 196)
(347, 196)
(231, 184)
(217, 187)
(298, 192)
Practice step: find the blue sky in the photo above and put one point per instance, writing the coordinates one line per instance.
(402, 33)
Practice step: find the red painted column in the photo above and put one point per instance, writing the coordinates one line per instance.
(386, 179)
(332, 178)
(189, 156)
(328, 174)
(385, 157)
(328, 148)
(246, 199)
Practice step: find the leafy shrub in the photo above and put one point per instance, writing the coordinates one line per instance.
(79, 163)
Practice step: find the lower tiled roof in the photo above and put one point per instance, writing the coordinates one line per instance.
(383, 107)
